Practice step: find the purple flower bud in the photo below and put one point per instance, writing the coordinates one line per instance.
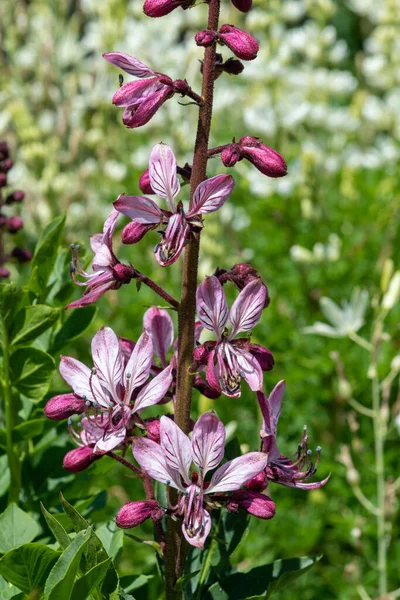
(3, 180)
(258, 483)
(242, 44)
(6, 165)
(205, 38)
(4, 150)
(126, 346)
(160, 8)
(153, 429)
(242, 5)
(181, 87)
(64, 406)
(134, 513)
(254, 503)
(14, 224)
(241, 274)
(144, 183)
(134, 232)
(16, 196)
(231, 155)
(200, 354)
(263, 356)
(4, 273)
(205, 388)
(22, 255)
(185, 172)
(266, 160)
(232, 66)
(79, 459)
(123, 273)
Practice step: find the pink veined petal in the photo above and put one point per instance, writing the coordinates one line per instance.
(139, 208)
(77, 375)
(140, 112)
(213, 370)
(139, 364)
(247, 308)
(162, 173)
(160, 327)
(202, 527)
(151, 458)
(129, 64)
(211, 195)
(212, 307)
(173, 240)
(110, 440)
(176, 447)
(93, 295)
(275, 400)
(198, 328)
(96, 241)
(103, 258)
(92, 433)
(154, 391)
(208, 442)
(233, 474)
(250, 370)
(136, 93)
(107, 359)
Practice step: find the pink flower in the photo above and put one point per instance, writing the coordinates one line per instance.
(160, 8)
(266, 160)
(114, 390)
(230, 360)
(296, 470)
(108, 273)
(170, 463)
(145, 213)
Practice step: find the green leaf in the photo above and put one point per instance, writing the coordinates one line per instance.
(47, 250)
(75, 325)
(79, 523)
(4, 475)
(56, 528)
(112, 538)
(183, 581)
(32, 370)
(10, 294)
(28, 430)
(7, 590)
(90, 580)
(60, 582)
(16, 528)
(28, 566)
(32, 321)
(261, 582)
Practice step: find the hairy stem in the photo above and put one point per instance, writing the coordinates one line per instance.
(176, 544)
(157, 289)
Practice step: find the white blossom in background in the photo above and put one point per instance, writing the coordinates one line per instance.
(345, 319)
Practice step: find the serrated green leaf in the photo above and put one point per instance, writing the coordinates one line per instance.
(93, 578)
(28, 566)
(79, 523)
(32, 371)
(61, 579)
(56, 528)
(47, 249)
(32, 321)
(75, 325)
(16, 528)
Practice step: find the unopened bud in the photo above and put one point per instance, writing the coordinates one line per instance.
(201, 354)
(243, 5)
(160, 8)
(205, 388)
(181, 87)
(4, 273)
(3, 180)
(4, 150)
(232, 66)
(16, 196)
(22, 255)
(134, 513)
(242, 44)
(254, 503)
(231, 155)
(263, 357)
(64, 406)
(153, 429)
(79, 459)
(144, 183)
(258, 483)
(123, 273)
(14, 224)
(134, 232)
(6, 165)
(205, 38)
(265, 159)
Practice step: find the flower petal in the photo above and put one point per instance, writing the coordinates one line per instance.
(138, 93)
(139, 208)
(250, 370)
(233, 474)
(77, 375)
(211, 195)
(173, 240)
(129, 64)
(162, 173)
(176, 447)
(160, 327)
(110, 440)
(141, 111)
(212, 307)
(151, 458)
(138, 367)
(197, 534)
(247, 308)
(208, 442)
(154, 391)
(107, 359)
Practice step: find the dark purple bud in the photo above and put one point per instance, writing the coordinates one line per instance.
(258, 483)
(3, 221)
(22, 255)
(232, 66)
(200, 354)
(254, 503)
(205, 38)
(241, 274)
(4, 273)
(205, 388)
(263, 356)
(242, 44)
(153, 429)
(266, 160)
(3, 180)
(134, 513)
(185, 172)
(123, 273)
(231, 155)
(79, 459)
(126, 346)
(144, 183)
(14, 224)
(181, 87)
(4, 150)
(6, 165)
(16, 196)
(160, 8)
(243, 5)
(64, 406)
(134, 232)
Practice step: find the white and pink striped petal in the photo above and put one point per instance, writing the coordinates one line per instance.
(211, 194)
(247, 308)
(162, 173)
(154, 391)
(233, 474)
(158, 323)
(176, 447)
(151, 458)
(212, 307)
(208, 442)
(129, 64)
(139, 208)
(138, 367)
(107, 359)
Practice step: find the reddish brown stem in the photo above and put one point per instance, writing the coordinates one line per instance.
(126, 463)
(176, 545)
(157, 289)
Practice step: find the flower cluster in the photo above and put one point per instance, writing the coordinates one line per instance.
(11, 224)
